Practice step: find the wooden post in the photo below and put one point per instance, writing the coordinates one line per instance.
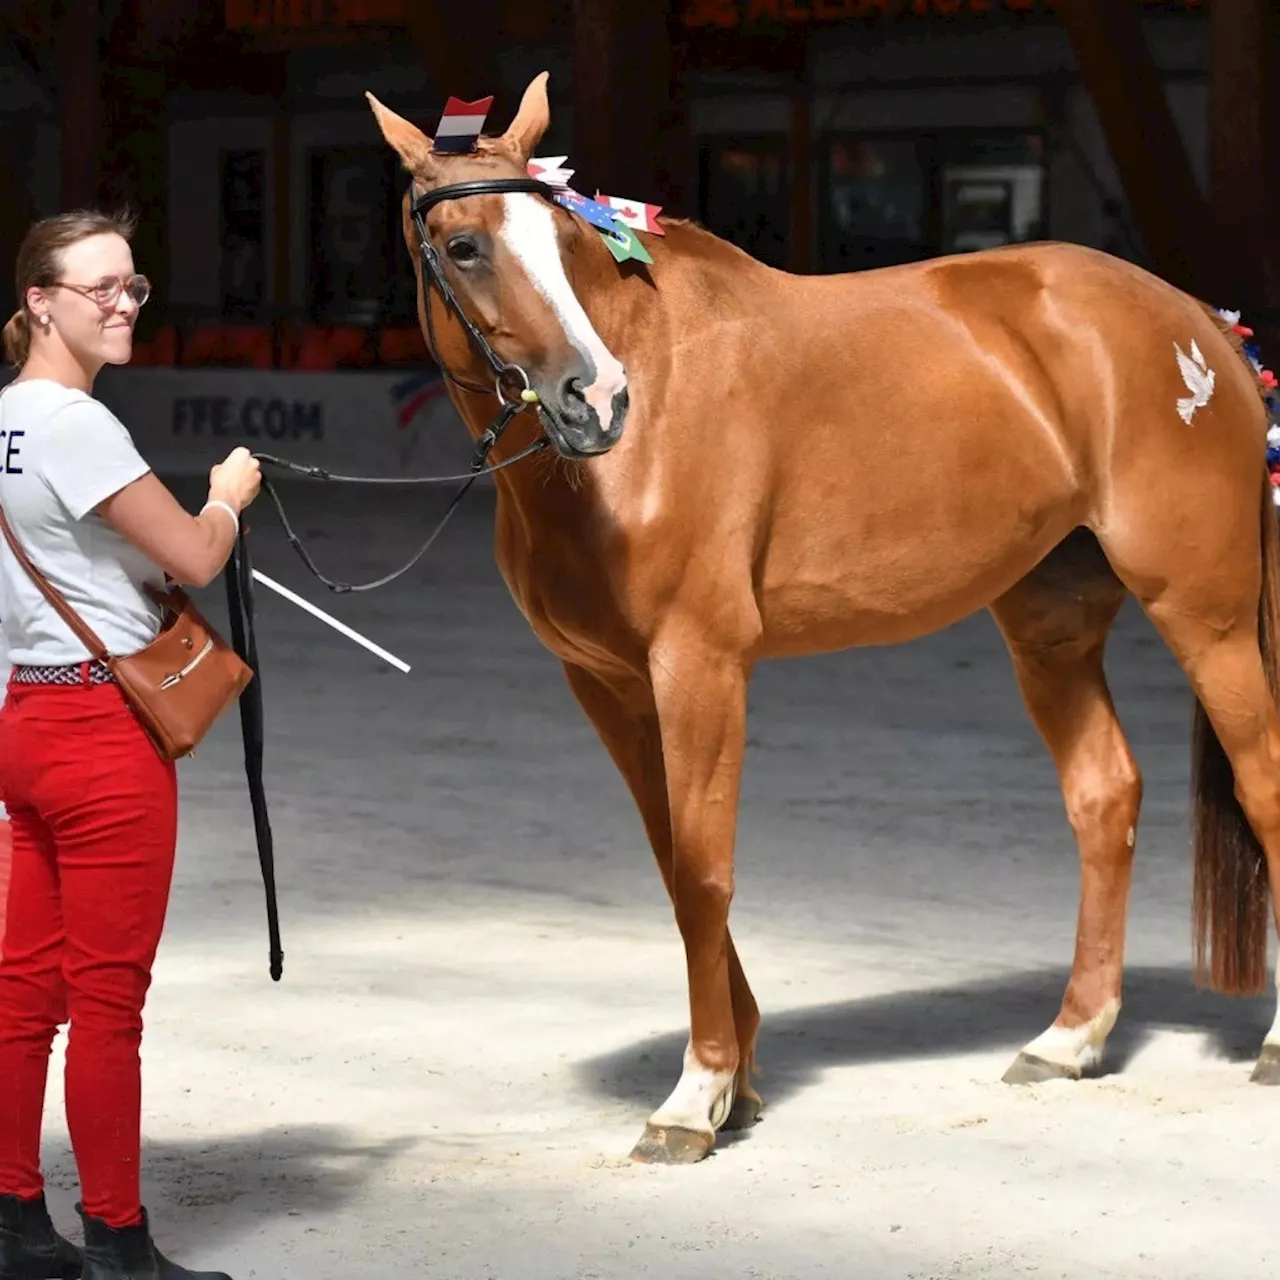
(16, 210)
(134, 170)
(630, 109)
(1124, 82)
(281, 170)
(800, 240)
(458, 42)
(78, 72)
(1244, 133)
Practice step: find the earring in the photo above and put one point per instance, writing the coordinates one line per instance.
(44, 320)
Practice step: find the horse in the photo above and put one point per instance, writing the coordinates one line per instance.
(741, 468)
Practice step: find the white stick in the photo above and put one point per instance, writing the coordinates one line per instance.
(333, 622)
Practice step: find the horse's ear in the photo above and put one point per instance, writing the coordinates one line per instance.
(413, 146)
(532, 120)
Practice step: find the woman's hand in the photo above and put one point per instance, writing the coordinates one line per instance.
(236, 480)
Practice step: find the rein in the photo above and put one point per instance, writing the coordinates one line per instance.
(238, 574)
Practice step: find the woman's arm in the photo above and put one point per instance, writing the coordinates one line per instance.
(190, 549)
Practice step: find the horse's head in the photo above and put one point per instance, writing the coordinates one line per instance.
(505, 257)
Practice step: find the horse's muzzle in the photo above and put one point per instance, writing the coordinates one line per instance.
(573, 424)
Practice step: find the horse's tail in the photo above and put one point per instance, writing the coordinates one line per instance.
(1232, 900)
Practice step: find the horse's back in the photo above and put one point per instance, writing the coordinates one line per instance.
(950, 422)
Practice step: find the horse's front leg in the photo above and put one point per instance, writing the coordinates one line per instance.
(700, 697)
(626, 719)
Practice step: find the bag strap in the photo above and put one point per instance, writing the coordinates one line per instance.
(60, 606)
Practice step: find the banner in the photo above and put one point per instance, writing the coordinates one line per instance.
(734, 14)
(183, 421)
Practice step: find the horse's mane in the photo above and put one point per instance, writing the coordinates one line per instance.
(688, 239)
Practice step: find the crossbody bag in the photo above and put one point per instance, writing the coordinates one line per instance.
(180, 683)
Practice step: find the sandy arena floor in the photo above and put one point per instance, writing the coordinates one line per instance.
(484, 986)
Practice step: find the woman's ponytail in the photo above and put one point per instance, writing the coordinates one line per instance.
(17, 338)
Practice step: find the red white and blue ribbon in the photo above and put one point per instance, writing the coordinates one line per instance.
(461, 123)
(1269, 381)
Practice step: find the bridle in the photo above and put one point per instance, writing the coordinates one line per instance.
(238, 574)
(524, 396)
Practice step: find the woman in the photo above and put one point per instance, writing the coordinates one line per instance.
(93, 806)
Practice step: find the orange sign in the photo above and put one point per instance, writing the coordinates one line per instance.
(313, 15)
(730, 14)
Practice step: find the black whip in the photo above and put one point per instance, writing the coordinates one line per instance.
(238, 576)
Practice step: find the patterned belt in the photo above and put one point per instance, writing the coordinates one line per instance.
(98, 673)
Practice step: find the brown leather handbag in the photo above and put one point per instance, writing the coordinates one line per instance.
(180, 684)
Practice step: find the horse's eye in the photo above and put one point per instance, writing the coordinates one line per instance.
(463, 251)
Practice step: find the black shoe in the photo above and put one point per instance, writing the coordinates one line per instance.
(128, 1253)
(30, 1249)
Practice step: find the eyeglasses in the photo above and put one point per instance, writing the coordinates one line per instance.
(106, 293)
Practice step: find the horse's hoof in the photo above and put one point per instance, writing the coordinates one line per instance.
(745, 1112)
(1029, 1069)
(670, 1144)
(1268, 1069)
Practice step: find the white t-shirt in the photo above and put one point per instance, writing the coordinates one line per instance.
(62, 453)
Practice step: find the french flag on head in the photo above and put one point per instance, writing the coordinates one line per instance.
(461, 124)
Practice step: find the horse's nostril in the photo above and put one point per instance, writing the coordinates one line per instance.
(621, 403)
(573, 400)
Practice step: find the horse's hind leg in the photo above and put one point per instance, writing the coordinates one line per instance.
(1055, 623)
(626, 719)
(1205, 566)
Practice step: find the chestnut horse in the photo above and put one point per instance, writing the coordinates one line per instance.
(742, 470)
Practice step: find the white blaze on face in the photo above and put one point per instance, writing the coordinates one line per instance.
(529, 230)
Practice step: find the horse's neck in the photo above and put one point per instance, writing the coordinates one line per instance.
(639, 319)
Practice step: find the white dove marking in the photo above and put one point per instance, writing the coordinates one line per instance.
(1198, 377)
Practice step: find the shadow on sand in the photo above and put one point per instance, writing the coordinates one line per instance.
(796, 1045)
(206, 1192)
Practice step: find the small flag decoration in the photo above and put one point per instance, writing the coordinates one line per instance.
(624, 243)
(634, 213)
(599, 215)
(461, 123)
(551, 170)
(618, 220)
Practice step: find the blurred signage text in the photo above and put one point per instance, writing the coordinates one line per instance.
(732, 14)
(313, 15)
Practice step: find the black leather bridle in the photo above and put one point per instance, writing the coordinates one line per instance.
(521, 398)
(238, 575)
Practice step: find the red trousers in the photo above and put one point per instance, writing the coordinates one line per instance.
(93, 812)
(6, 859)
